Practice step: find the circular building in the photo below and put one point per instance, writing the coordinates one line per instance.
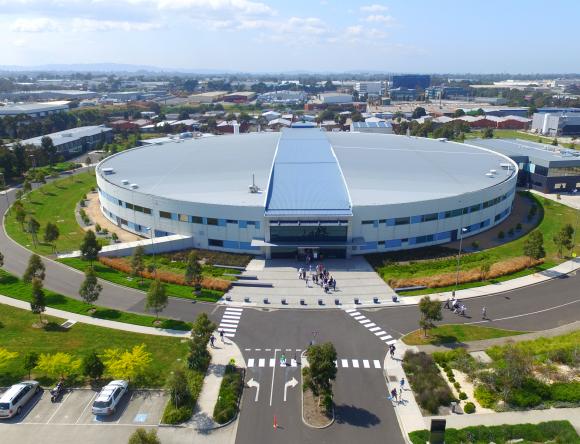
(305, 190)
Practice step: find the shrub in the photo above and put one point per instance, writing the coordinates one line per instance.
(486, 397)
(523, 399)
(98, 228)
(452, 379)
(501, 235)
(449, 372)
(518, 226)
(565, 392)
(475, 245)
(469, 408)
(457, 385)
(463, 396)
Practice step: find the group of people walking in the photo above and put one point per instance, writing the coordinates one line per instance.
(459, 308)
(321, 276)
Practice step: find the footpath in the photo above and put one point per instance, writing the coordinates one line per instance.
(410, 418)
(221, 354)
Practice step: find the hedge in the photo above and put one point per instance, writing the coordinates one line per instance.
(485, 396)
(173, 415)
(226, 406)
(551, 431)
(565, 392)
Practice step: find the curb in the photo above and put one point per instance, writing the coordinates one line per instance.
(302, 360)
(404, 432)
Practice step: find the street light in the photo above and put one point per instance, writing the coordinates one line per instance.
(461, 231)
(151, 235)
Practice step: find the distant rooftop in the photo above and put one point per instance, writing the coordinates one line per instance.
(33, 107)
(62, 137)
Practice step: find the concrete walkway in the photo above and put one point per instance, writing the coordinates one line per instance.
(221, 355)
(67, 315)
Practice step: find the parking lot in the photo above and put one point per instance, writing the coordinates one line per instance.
(137, 407)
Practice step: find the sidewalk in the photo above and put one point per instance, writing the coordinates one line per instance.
(220, 356)
(67, 315)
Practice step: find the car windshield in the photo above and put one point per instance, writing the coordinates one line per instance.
(101, 404)
(4, 406)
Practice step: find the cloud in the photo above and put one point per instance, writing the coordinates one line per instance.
(245, 7)
(353, 31)
(374, 8)
(44, 24)
(379, 18)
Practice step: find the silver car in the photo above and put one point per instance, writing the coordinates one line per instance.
(12, 400)
(108, 398)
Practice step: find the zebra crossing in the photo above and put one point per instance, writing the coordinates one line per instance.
(371, 364)
(230, 321)
(371, 326)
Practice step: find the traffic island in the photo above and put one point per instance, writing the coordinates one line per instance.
(317, 411)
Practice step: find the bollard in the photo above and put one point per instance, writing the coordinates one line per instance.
(284, 301)
(247, 299)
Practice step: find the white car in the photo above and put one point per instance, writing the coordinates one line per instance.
(13, 399)
(108, 398)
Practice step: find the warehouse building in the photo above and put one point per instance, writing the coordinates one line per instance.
(34, 110)
(75, 141)
(306, 190)
(556, 124)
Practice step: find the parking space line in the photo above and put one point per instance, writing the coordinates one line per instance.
(59, 406)
(85, 409)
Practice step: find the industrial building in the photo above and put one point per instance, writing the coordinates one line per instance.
(556, 124)
(283, 97)
(403, 94)
(542, 167)
(369, 88)
(34, 110)
(75, 141)
(239, 97)
(411, 81)
(65, 94)
(380, 127)
(306, 190)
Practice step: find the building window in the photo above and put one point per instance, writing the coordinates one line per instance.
(183, 218)
(129, 206)
(558, 186)
(212, 221)
(165, 215)
(382, 221)
(146, 210)
(232, 221)
(215, 242)
(196, 220)
(423, 239)
(368, 222)
(429, 217)
(124, 222)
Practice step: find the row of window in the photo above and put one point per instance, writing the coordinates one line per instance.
(232, 245)
(436, 216)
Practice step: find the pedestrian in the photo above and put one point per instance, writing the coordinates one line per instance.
(394, 394)
(400, 395)
(307, 281)
(447, 303)
(392, 350)
(402, 382)
(211, 341)
(484, 313)
(333, 284)
(463, 310)
(222, 336)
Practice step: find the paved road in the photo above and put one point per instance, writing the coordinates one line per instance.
(362, 413)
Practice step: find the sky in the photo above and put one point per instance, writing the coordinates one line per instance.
(430, 36)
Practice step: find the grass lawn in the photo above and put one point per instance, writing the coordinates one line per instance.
(553, 217)
(18, 334)
(510, 134)
(446, 334)
(53, 202)
(13, 287)
(117, 277)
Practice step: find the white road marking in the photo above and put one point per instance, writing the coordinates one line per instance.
(261, 362)
(231, 330)
(358, 318)
(59, 406)
(230, 335)
(355, 363)
(374, 328)
(366, 321)
(273, 375)
(251, 362)
(526, 314)
(391, 341)
(247, 349)
(354, 313)
(350, 310)
(377, 363)
(236, 318)
(366, 363)
(384, 338)
(272, 362)
(371, 325)
(234, 309)
(293, 363)
(344, 363)
(231, 321)
(86, 407)
(380, 333)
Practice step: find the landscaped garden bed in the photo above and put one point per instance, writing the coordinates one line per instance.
(430, 389)
(226, 407)
(545, 432)
(452, 333)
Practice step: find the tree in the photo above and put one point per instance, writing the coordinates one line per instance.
(58, 365)
(488, 133)
(90, 288)
(563, 239)
(321, 371)
(33, 227)
(37, 303)
(458, 113)
(201, 331)
(137, 264)
(193, 272)
(202, 327)
(49, 148)
(6, 356)
(27, 186)
(418, 112)
(178, 388)
(51, 233)
(30, 362)
(484, 270)
(142, 436)
(511, 371)
(92, 366)
(534, 246)
(127, 364)
(430, 312)
(1, 260)
(20, 215)
(35, 269)
(90, 247)
(156, 297)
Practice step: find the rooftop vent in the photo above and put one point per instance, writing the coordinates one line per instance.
(108, 171)
(505, 166)
(489, 174)
(125, 182)
(493, 171)
(134, 185)
(254, 189)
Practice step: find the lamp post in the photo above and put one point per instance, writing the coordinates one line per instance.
(151, 235)
(461, 231)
